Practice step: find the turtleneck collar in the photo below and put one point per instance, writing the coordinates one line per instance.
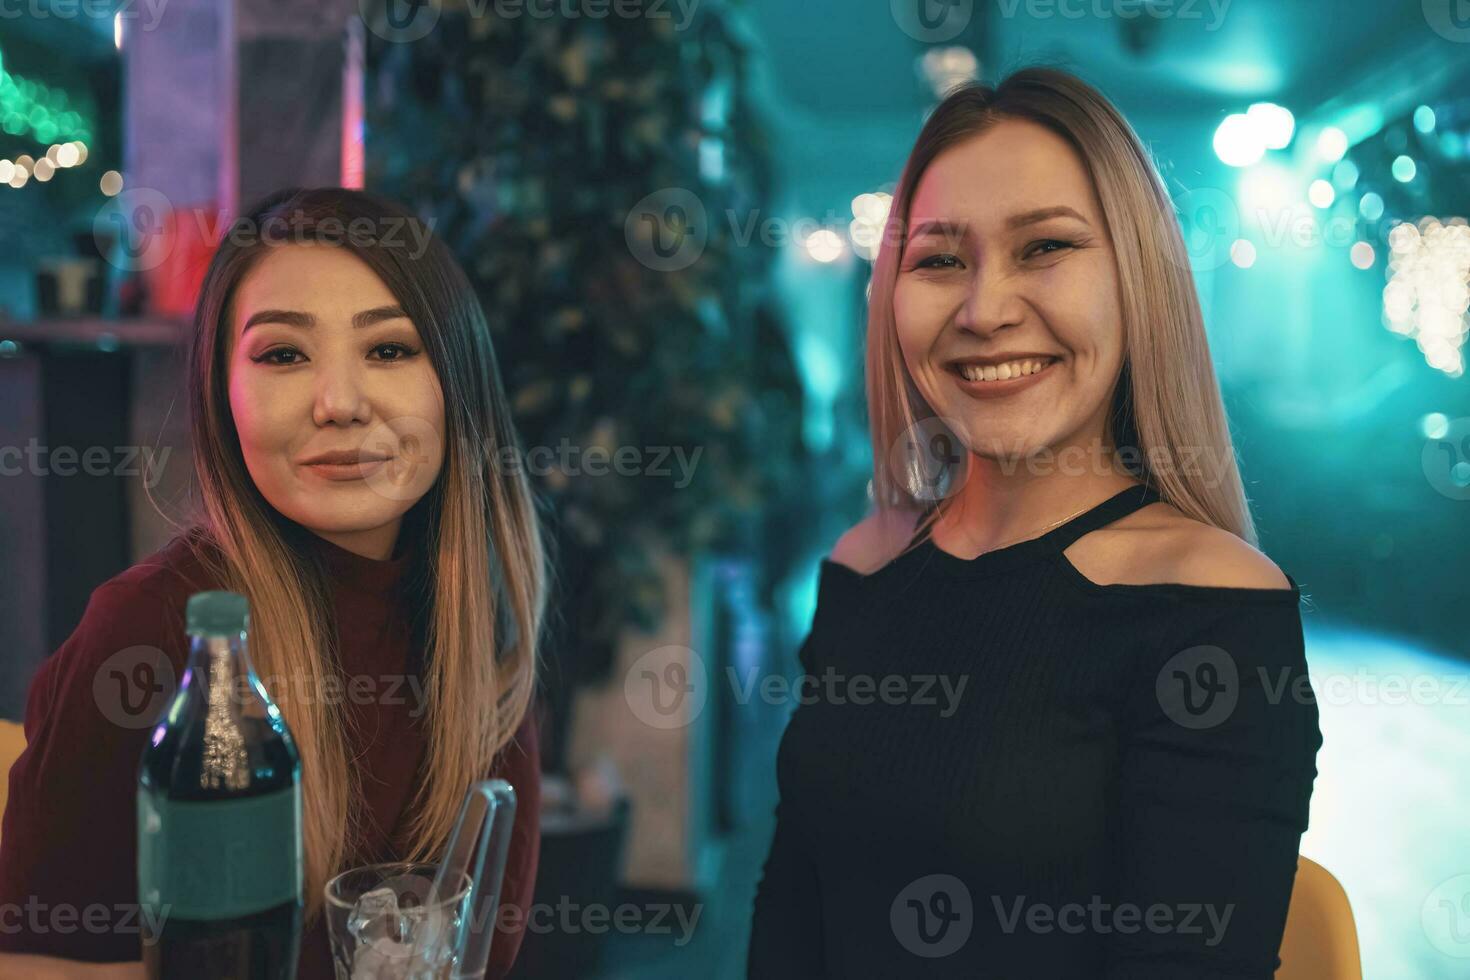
(378, 577)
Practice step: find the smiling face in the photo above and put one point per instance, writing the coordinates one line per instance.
(1008, 260)
(322, 360)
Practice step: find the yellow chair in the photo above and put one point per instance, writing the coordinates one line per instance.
(1321, 941)
(12, 741)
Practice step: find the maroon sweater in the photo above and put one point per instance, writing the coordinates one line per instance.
(68, 849)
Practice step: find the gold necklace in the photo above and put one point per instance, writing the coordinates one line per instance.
(1026, 537)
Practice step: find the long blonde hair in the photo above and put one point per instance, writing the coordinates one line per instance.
(1167, 402)
(483, 573)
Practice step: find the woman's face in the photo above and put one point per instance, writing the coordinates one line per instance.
(322, 360)
(1008, 259)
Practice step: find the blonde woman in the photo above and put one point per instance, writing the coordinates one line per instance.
(1065, 728)
(396, 594)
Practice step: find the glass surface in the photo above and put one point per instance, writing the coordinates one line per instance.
(381, 928)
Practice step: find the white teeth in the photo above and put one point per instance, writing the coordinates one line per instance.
(1003, 372)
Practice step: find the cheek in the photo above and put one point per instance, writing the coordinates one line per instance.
(918, 317)
(428, 396)
(418, 406)
(1083, 316)
(1082, 307)
(257, 413)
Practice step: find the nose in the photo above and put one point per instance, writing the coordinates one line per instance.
(341, 398)
(994, 301)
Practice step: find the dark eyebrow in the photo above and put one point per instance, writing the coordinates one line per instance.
(292, 318)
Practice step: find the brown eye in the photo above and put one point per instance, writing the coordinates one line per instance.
(400, 351)
(1050, 241)
(272, 356)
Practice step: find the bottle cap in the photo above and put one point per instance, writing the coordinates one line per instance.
(217, 612)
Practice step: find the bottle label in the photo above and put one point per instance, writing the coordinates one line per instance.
(219, 859)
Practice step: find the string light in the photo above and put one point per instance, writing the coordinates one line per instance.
(1274, 123)
(869, 216)
(59, 156)
(948, 67)
(1428, 291)
(1332, 143)
(1242, 138)
(28, 107)
(1243, 253)
(1238, 141)
(824, 245)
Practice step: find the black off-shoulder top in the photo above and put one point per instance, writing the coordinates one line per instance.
(998, 768)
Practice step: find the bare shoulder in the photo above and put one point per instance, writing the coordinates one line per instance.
(1158, 544)
(1211, 556)
(875, 540)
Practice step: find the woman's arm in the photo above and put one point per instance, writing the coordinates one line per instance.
(786, 937)
(1219, 740)
(21, 966)
(68, 864)
(786, 930)
(786, 927)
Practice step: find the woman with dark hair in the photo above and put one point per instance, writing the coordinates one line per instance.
(349, 439)
(1110, 771)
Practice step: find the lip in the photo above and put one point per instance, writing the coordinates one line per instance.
(343, 456)
(999, 389)
(343, 472)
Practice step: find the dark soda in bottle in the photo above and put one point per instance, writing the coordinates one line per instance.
(219, 816)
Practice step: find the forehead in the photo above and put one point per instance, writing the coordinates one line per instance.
(1015, 165)
(324, 280)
